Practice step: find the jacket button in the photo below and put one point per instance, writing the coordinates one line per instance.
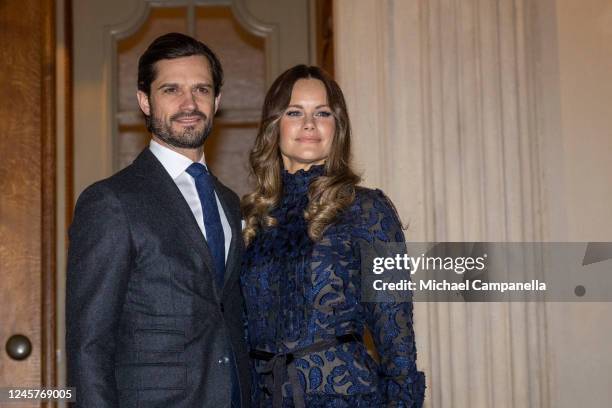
(222, 308)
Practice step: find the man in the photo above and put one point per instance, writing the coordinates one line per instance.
(153, 303)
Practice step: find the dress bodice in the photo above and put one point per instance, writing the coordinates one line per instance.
(298, 292)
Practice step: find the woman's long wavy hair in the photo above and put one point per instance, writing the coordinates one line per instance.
(330, 193)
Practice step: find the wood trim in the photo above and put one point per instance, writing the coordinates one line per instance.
(69, 115)
(324, 22)
(48, 194)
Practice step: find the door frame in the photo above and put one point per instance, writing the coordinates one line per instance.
(48, 196)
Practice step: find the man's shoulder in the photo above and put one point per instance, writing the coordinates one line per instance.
(125, 183)
(117, 183)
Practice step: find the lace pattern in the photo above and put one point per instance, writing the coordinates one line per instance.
(298, 292)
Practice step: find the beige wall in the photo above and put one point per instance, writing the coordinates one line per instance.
(580, 335)
(585, 70)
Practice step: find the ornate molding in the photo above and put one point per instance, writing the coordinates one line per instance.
(129, 26)
(268, 31)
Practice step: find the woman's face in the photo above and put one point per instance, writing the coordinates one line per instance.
(307, 126)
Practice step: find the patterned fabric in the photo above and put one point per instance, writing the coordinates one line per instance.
(299, 292)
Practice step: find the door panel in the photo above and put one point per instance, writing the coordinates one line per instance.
(27, 190)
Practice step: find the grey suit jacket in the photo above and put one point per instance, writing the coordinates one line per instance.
(146, 325)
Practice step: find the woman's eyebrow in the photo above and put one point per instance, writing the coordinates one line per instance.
(301, 107)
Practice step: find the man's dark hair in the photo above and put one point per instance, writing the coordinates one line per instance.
(175, 45)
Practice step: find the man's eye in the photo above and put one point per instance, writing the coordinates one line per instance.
(203, 90)
(169, 90)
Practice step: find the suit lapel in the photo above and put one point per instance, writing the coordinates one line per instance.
(166, 193)
(233, 219)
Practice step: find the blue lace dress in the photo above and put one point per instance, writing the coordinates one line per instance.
(299, 292)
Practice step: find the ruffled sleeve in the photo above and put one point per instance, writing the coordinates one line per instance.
(391, 322)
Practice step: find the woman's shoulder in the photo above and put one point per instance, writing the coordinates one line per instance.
(374, 209)
(373, 215)
(373, 199)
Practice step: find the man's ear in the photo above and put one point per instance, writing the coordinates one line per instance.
(217, 101)
(143, 101)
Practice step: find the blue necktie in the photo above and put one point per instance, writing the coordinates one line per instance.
(216, 241)
(212, 221)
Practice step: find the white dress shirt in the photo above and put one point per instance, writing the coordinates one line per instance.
(176, 164)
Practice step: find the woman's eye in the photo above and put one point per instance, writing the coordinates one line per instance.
(323, 114)
(293, 113)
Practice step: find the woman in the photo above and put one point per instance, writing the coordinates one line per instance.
(301, 276)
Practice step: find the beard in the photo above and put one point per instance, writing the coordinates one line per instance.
(191, 137)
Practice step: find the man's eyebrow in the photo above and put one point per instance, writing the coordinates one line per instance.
(175, 85)
(167, 85)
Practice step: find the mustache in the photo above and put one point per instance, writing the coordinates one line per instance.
(181, 115)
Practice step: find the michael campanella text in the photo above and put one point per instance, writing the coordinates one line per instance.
(444, 285)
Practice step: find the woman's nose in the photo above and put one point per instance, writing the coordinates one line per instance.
(308, 122)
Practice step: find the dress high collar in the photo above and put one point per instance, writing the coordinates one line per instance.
(298, 182)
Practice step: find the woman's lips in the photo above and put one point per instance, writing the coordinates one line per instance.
(308, 139)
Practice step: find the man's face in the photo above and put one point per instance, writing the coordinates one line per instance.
(182, 102)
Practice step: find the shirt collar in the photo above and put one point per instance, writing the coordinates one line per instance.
(174, 162)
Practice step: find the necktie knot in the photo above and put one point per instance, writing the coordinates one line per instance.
(196, 170)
